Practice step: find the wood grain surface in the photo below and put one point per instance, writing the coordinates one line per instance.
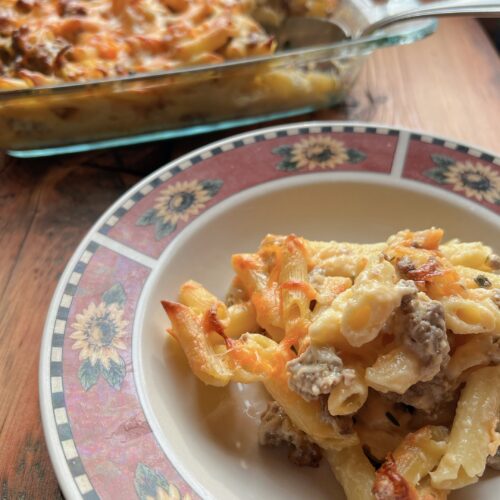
(447, 85)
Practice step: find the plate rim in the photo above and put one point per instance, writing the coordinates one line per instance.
(65, 479)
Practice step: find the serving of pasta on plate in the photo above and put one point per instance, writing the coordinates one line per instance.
(381, 358)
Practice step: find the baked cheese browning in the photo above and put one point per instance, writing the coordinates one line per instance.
(391, 485)
(403, 474)
(385, 356)
(52, 41)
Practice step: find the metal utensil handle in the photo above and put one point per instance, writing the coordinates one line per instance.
(483, 8)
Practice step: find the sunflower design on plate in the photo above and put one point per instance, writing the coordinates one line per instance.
(317, 151)
(178, 202)
(99, 333)
(474, 180)
(151, 485)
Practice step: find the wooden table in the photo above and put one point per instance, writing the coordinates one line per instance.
(448, 85)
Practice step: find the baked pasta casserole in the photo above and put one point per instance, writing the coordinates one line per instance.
(382, 358)
(53, 42)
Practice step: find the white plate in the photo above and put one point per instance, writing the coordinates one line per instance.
(136, 422)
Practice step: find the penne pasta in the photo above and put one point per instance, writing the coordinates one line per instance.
(358, 314)
(266, 300)
(196, 297)
(474, 278)
(202, 358)
(480, 350)
(242, 319)
(420, 452)
(350, 394)
(465, 316)
(374, 297)
(473, 436)
(395, 371)
(210, 41)
(365, 350)
(353, 471)
(473, 255)
(296, 294)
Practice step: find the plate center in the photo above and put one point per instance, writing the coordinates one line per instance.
(210, 434)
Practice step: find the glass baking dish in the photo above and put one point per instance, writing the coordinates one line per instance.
(76, 117)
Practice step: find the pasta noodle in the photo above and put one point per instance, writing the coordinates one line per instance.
(353, 471)
(360, 312)
(473, 255)
(349, 395)
(201, 355)
(473, 436)
(480, 350)
(293, 281)
(242, 319)
(465, 316)
(395, 371)
(383, 355)
(420, 452)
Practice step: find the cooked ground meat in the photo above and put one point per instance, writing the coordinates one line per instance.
(25, 6)
(494, 352)
(496, 298)
(277, 429)
(494, 261)
(421, 327)
(71, 8)
(426, 396)
(314, 372)
(5, 49)
(37, 51)
(494, 461)
(405, 265)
